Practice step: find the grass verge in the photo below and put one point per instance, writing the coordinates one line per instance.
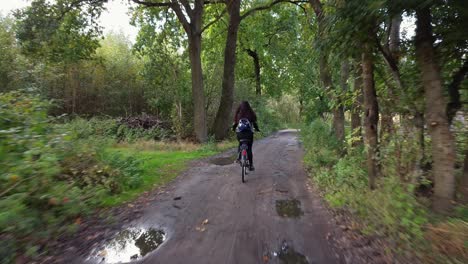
(161, 162)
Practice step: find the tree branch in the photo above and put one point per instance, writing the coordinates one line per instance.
(77, 4)
(298, 4)
(259, 8)
(187, 8)
(214, 20)
(270, 5)
(317, 6)
(391, 62)
(183, 20)
(153, 4)
(213, 2)
(174, 5)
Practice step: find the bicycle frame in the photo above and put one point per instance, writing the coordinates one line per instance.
(244, 160)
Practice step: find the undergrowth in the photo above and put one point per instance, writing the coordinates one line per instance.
(392, 210)
(111, 128)
(54, 174)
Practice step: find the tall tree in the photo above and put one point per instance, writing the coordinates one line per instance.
(9, 53)
(64, 32)
(443, 151)
(227, 95)
(221, 123)
(371, 113)
(191, 18)
(354, 24)
(356, 108)
(339, 119)
(257, 68)
(325, 72)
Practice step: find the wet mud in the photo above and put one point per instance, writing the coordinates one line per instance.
(289, 208)
(223, 161)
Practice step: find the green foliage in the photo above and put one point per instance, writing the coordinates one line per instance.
(48, 176)
(8, 52)
(132, 134)
(94, 127)
(322, 148)
(52, 174)
(268, 120)
(62, 31)
(391, 210)
(107, 128)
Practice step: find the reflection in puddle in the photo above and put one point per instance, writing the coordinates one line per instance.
(288, 255)
(131, 244)
(289, 208)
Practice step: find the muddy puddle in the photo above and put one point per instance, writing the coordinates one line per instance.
(287, 255)
(129, 245)
(289, 208)
(223, 161)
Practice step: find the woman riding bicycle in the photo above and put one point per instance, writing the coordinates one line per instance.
(244, 119)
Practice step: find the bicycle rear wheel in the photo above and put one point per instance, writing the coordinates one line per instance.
(244, 171)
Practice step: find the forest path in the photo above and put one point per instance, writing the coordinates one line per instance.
(210, 216)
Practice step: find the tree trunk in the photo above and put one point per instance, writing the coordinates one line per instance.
(394, 38)
(301, 108)
(387, 126)
(223, 116)
(463, 186)
(443, 151)
(197, 88)
(73, 82)
(192, 21)
(338, 123)
(256, 60)
(371, 110)
(356, 110)
(338, 112)
(419, 125)
(391, 50)
(325, 75)
(338, 115)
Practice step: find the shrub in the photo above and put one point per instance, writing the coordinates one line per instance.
(391, 210)
(94, 127)
(322, 148)
(49, 175)
(114, 129)
(268, 119)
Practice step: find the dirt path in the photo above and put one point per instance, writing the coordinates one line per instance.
(209, 216)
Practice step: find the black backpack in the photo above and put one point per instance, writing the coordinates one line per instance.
(244, 126)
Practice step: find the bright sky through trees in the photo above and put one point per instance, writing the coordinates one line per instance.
(114, 19)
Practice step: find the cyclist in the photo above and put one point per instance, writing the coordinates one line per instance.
(244, 119)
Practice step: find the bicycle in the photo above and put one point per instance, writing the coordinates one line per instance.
(244, 159)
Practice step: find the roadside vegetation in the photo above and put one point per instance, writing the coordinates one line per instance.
(398, 209)
(390, 146)
(54, 174)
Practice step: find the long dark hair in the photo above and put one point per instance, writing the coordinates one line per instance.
(245, 111)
